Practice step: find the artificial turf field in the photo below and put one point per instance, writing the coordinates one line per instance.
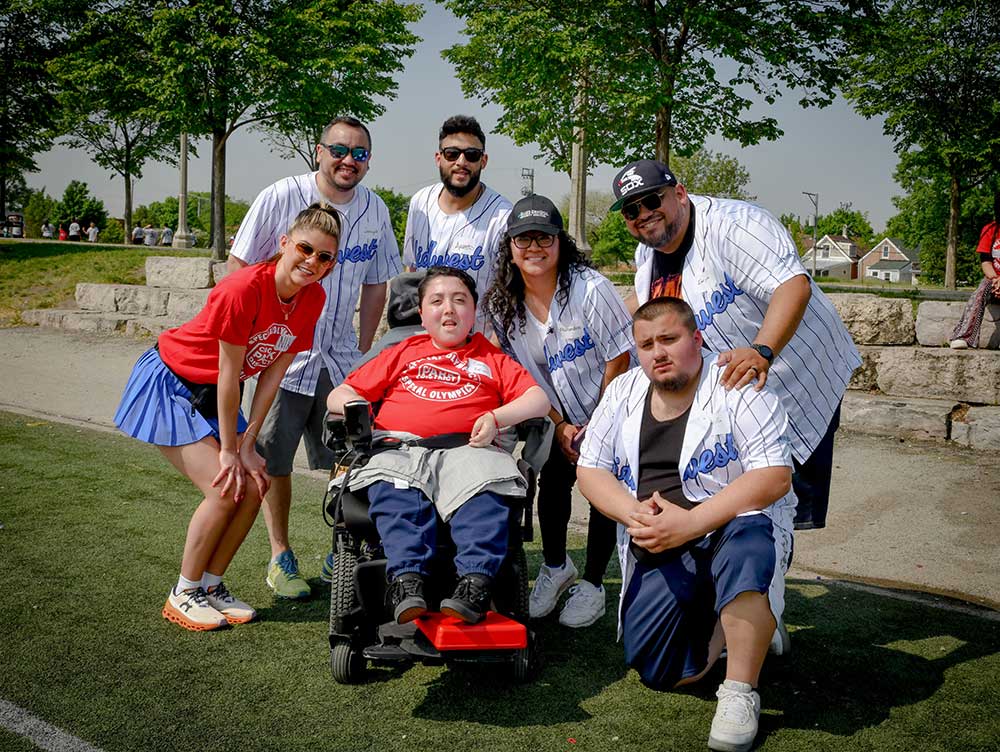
(93, 525)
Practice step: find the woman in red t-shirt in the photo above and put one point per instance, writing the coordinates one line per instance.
(183, 396)
(966, 332)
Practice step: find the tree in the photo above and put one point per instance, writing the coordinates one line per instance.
(859, 229)
(18, 192)
(398, 206)
(78, 204)
(102, 78)
(709, 174)
(922, 219)
(933, 69)
(631, 78)
(40, 207)
(223, 65)
(611, 242)
(29, 39)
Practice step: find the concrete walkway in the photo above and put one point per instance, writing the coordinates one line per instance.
(916, 516)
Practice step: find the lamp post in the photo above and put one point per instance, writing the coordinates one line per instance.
(182, 238)
(814, 197)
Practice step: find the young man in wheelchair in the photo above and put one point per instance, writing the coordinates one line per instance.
(448, 381)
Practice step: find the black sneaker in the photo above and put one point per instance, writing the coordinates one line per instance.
(470, 600)
(406, 597)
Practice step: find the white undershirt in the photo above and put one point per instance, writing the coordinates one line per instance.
(535, 332)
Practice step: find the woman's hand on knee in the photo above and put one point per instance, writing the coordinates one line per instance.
(231, 475)
(255, 466)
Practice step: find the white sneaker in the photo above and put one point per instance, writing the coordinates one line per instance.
(235, 610)
(584, 606)
(735, 723)
(191, 610)
(958, 344)
(781, 643)
(549, 585)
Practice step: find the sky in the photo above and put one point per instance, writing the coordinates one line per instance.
(833, 151)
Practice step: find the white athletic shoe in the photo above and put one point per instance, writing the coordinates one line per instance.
(735, 723)
(781, 643)
(958, 344)
(549, 585)
(191, 610)
(584, 606)
(235, 610)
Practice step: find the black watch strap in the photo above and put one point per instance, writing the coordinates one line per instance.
(764, 351)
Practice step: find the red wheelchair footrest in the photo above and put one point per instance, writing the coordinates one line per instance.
(495, 632)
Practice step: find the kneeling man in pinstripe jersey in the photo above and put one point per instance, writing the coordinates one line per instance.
(754, 304)
(698, 477)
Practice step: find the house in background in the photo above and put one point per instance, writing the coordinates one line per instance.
(890, 261)
(838, 257)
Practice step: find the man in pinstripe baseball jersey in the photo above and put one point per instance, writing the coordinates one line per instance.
(699, 478)
(367, 258)
(460, 221)
(754, 304)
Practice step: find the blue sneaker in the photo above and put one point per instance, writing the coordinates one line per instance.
(284, 579)
(326, 574)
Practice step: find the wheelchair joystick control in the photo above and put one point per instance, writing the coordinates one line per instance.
(335, 436)
(358, 423)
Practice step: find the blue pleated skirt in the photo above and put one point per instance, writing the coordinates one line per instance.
(156, 407)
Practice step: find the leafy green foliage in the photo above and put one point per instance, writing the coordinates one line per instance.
(712, 174)
(611, 242)
(642, 77)
(165, 212)
(77, 203)
(398, 206)
(932, 68)
(39, 208)
(859, 228)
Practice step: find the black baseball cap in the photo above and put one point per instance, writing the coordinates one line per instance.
(640, 177)
(534, 213)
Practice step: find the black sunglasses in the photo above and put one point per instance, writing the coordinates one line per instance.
(325, 257)
(340, 151)
(651, 201)
(452, 153)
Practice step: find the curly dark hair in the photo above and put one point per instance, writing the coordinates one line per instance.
(505, 299)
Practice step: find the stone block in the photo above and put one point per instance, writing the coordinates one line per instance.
(140, 300)
(865, 376)
(172, 271)
(936, 319)
(94, 297)
(49, 317)
(149, 326)
(93, 322)
(979, 428)
(219, 270)
(185, 304)
(903, 417)
(940, 373)
(873, 320)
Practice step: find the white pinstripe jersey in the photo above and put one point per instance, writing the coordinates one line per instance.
(467, 240)
(590, 329)
(728, 433)
(739, 257)
(369, 254)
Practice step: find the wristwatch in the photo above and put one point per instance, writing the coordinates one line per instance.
(765, 352)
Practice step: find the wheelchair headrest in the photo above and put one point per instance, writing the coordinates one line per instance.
(404, 300)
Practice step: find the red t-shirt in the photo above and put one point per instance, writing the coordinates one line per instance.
(428, 391)
(989, 245)
(243, 310)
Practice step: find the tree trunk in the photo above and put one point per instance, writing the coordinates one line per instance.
(578, 178)
(128, 208)
(3, 199)
(663, 135)
(951, 254)
(219, 195)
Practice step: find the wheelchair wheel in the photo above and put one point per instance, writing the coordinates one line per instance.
(523, 591)
(526, 661)
(342, 597)
(347, 664)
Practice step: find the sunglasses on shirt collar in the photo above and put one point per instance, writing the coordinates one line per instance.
(339, 151)
(651, 201)
(325, 257)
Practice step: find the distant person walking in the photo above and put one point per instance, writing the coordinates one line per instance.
(74, 230)
(137, 235)
(166, 236)
(150, 235)
(966, 332)
(62, 233)
(48, 230)
(92, 233)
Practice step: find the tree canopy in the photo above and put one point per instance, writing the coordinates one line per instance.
(932, 68)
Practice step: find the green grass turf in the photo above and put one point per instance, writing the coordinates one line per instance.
(37, 274)
(93, 526)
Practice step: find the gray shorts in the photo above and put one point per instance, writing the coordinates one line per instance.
(295, 416)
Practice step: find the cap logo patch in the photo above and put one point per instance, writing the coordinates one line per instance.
(629, 181)
(533, 213)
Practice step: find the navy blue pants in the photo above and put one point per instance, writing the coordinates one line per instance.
(811, 481)
(407, 523)
(670, 610)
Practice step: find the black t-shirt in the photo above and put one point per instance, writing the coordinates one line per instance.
(660, 445)
(665, 281)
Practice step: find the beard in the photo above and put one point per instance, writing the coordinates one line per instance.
(459, 191)
(661, 238)
(670, 384)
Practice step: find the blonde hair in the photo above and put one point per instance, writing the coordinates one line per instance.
(318, 216)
